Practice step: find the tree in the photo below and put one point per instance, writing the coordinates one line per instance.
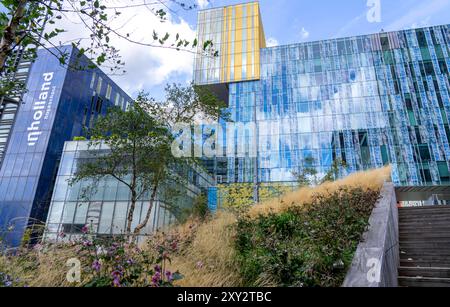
(306, 175)
(138, 155)
(29, 24)
(335, 171)
(186, 104)
(139, 149)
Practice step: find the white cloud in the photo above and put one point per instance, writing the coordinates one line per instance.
(272, 42)
(202, 3)
(345, 30)
(145, 67)
(304, 34)
(422, 23)
(419, 15)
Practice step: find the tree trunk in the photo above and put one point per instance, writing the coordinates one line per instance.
(131, 212)
(10, 34)
(149, 212)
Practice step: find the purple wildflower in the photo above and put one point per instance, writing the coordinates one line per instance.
(116, 282)
(96, 265)
(87, 243)
(116, 278)
(158, 268)
(156, 279)
(169, 276)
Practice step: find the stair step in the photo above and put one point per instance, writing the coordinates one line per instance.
(423, 282)
(444, 238)
(439, 212)
(425, 251)
(424, 215)
(424, 208)
(439, 219)
(443, 209)
(428, 259)
(425, 222)
(422, 264)
(424, 272)
(427, 244)
(404, 254)
(427, 228)
(417, 233)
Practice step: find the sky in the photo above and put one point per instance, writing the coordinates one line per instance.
(285, 22)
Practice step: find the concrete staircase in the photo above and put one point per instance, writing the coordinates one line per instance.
(424, 246)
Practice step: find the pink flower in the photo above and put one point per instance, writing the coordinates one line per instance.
(85, 229)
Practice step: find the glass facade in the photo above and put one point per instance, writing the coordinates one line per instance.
(105, 209)
(58, 105)
(238, 35)
(8, 110)
(368, 101)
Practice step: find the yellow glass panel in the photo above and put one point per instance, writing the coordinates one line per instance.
(223, 47)
(230, 19)
(238, 44)
(249, 42)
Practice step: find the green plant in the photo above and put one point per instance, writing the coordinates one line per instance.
(79, 138)
(200, 208)
(309, 246)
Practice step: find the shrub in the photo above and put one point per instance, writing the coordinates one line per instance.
(309, 246)
(200, 208)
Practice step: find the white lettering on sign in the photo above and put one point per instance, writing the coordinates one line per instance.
(34, 130)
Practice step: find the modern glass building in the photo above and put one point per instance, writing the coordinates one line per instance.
(368, 100)
(59, 104)
(105, 209)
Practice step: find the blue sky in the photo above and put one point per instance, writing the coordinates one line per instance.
(285, 22)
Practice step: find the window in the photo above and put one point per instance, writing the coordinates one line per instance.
(117, 100)
(81, 213)
(98, 106)
(108, 92)
(429, 70)
(424, 153)
(421, 38)
(94, 76)
(99, 85)
(443, 171)
(106, 218)
(385, 43)
(120, 218)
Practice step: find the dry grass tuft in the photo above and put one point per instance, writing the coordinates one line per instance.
(44, 268)
(210, 259)
(373, 179)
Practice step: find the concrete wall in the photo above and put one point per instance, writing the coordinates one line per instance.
(377, 258)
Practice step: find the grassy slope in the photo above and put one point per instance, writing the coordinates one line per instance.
(213, 244)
